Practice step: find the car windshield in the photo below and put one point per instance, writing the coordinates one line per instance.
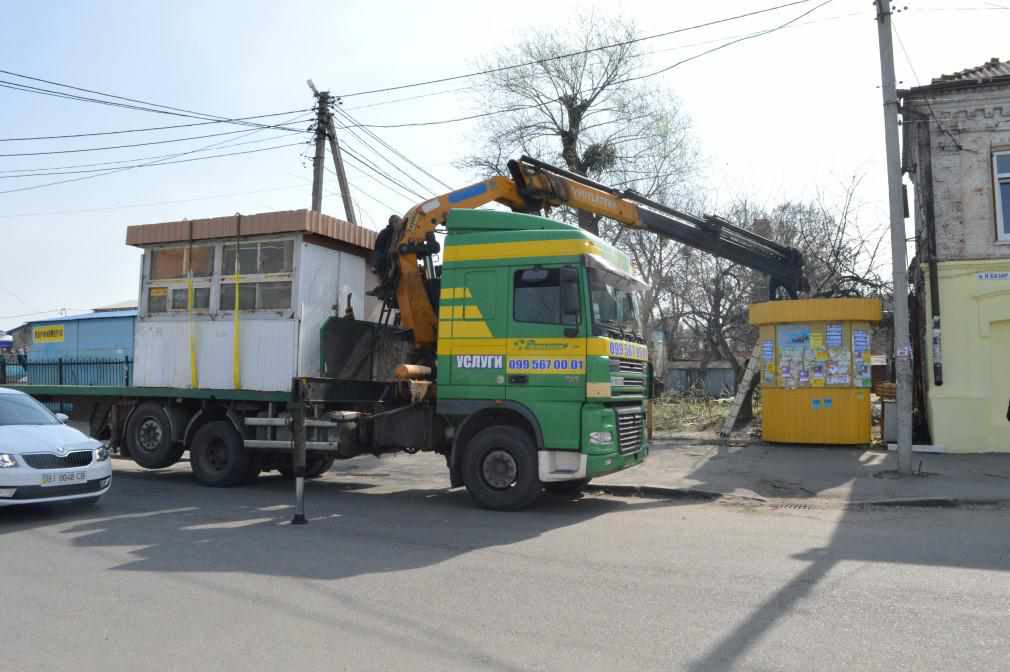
(615, 302)
(17, 409)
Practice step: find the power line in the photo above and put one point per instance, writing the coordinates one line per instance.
(56, 213)
(424, 187)
(147, 165)
(382, 174)
(929, 105)
(520, 108)
(156, 161)
(152, 128)
(732, 42)
(143, 107)
(370, 133)
(418, 97)
(384, 185)
(580, 52)
(32, 172)
(135, 144)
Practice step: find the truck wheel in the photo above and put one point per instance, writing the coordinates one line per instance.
(567, 487)
(149, 438)
(500, 469)
(218, 457)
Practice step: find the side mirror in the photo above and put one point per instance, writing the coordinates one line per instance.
(62, 417)
(571, 305)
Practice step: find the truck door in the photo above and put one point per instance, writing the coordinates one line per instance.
(547, 348)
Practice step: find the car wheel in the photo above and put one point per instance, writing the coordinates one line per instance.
(149, 438)
(567, 487)
(218, 457)
(500, 469)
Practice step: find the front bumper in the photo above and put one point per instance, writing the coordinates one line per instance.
(608, 463)
(26, 484)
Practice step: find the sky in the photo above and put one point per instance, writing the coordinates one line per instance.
(793, 115)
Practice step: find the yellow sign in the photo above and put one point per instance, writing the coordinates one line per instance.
(159, 291)
(52, 333)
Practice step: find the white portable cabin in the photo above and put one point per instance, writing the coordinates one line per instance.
(292, 269)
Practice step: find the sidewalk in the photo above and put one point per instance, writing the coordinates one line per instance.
(834, 476)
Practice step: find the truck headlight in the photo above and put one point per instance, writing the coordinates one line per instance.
(101, 453)
(7, 460)
(601, 438)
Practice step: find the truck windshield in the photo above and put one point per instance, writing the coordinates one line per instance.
(615, 302)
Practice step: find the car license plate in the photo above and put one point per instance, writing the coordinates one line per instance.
(64, 478)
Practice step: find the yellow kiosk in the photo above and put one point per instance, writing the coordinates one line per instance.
(815, 369)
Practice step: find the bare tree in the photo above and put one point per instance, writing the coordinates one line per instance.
(584, 111)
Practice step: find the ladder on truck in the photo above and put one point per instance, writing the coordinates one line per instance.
(750, 377)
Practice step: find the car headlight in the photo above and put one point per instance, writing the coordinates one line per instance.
(601, 437)
(101, 453)
(7, 460)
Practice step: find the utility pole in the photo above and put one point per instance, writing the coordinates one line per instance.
(902, 344)
(326, 130)
(338, 165)
(319, 158)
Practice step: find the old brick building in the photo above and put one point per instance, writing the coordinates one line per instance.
(957, 155)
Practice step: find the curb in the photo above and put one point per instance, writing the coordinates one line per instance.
(666, 492)
(929, 502)
(661, 491)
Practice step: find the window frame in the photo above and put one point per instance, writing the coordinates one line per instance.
(218, 278)
(561, 313)
(998, 178)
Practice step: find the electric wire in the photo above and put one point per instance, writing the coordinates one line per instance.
(152, 128)
(519, 108)
(580, 52)
(135, 144)
(370, 133)
(380, 173)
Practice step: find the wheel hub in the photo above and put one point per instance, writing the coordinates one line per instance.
(499, 469)
(149, 435)
(217, 456)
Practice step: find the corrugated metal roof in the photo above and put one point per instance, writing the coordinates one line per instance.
(108, 314)
(264, 223)
(989, 70)
(129, 304)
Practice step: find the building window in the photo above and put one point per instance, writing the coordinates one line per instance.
(176, 262)
(256, 296)
(201, 298)
(157, 300)
(274, 256)
(1001, 177)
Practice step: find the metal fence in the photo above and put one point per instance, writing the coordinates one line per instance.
(18, 371)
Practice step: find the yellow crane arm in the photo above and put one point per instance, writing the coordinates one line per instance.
(537, 187)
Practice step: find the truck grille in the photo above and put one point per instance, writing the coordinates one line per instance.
(629, 366)
(78, 458)
(629, 431)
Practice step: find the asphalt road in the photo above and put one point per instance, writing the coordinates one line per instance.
(167, 575)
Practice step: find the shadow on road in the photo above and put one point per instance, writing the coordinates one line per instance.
(175, 525)
(933, 536)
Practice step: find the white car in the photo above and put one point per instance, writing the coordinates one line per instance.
(44, 460)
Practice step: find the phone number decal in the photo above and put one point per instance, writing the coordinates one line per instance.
(547, 365)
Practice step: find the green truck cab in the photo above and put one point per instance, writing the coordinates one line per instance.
(538, 346)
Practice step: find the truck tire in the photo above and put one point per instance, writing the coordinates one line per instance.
(149, 437)
(500, 469)
(218, 457)
(316, 464)
(567, 487)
